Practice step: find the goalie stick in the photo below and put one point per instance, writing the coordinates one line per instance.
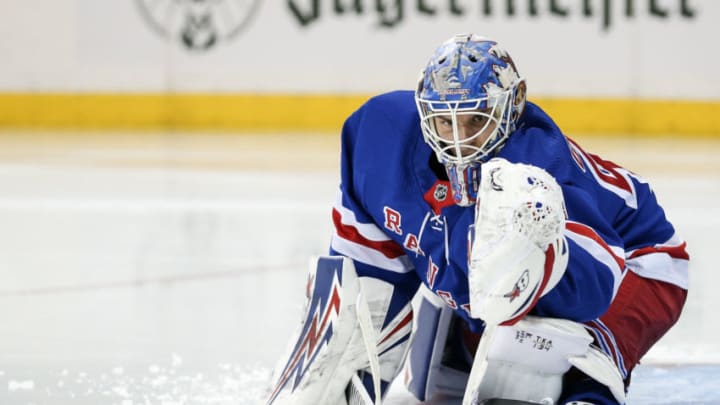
(479, 367)
(370, 340)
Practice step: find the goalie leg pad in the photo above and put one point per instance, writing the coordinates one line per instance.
(330, 347)
(426, 375)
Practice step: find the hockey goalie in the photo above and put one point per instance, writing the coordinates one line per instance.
(480, 255)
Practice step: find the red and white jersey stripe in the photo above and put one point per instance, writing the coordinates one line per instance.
(666, 262)
(366, 242)
(613, 257)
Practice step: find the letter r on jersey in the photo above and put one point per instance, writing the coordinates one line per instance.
(392, 220)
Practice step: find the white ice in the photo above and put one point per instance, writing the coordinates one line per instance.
(169, 269)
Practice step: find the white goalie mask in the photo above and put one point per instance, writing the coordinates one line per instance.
(469, 98)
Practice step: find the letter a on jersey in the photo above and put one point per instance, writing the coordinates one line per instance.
(412, 244)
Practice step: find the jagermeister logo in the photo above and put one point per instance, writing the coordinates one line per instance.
(198, 24)
(393, 13)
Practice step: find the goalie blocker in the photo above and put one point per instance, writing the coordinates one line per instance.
(351, 343)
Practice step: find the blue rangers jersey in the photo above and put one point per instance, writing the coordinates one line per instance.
(395, 216)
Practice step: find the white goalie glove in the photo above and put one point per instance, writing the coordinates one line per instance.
(519, 252)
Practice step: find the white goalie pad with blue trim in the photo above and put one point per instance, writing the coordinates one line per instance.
(352, 341)
(426, 375)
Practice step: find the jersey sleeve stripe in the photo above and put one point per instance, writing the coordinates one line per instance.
(368, 230)
(667, 262)
(370, 256)
(676, 252)
(589, 240)
(388, 248)
(660, 266)
(365, 242)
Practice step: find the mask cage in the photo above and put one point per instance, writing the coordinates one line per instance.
(461, 152)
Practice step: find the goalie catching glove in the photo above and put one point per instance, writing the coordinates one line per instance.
(519, 252)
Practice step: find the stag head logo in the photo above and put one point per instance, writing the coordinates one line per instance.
(198, 24)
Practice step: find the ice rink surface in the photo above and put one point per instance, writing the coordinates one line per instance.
(170, 268)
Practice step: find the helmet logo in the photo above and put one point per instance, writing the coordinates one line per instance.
(444, 79)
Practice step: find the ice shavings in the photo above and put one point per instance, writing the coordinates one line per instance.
(175, 382)
(26, 385)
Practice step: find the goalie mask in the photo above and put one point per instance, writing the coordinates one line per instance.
(469, 98)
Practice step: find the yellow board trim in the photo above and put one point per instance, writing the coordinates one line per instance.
(321, 113)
